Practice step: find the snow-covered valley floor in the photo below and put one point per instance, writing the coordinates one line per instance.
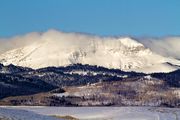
(90, 113)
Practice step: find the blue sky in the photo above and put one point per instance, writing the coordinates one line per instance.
(100, 17)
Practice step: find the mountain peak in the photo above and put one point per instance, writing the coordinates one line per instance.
(62, 49)
(129, 42)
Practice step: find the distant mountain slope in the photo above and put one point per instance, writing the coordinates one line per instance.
(172, 78)
(122, 53)
(87, 85)
(16, 80)
(14, 84)
(13, 69)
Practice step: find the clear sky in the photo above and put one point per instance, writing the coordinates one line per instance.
(100, 17)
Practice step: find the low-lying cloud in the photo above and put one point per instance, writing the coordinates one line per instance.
(18, 41)
(167, 46)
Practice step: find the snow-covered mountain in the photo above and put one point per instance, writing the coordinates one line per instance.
(62, 49)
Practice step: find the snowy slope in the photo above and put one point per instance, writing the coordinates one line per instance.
(60, 50)
(106, 113)
(14, 114)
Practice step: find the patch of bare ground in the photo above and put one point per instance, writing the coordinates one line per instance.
(67, 117)
(36, 99)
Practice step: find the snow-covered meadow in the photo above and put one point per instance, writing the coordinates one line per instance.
(7, 113)
(91, 113)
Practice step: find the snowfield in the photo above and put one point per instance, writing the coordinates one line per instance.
(91, 113)
(62, 49)
(17, 114)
